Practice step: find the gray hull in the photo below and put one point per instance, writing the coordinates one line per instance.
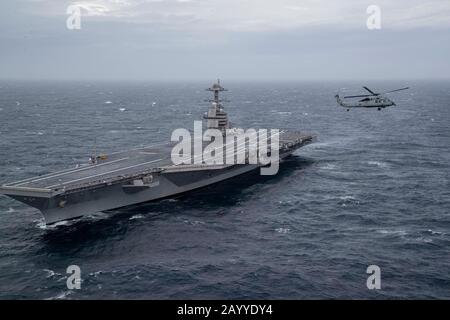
(113, 197)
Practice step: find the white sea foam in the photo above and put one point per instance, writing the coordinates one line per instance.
(98, 215)
(96, 273)
(61, 296)
(424, 239)
(194, 223)
(108, 102)
(393, 232)
(347, 198)
(41, 224)
(136, 216)
(283, 230)
(328, 166)
(60, 223)
(284, 112)
(51, 273)
(122, 109)
(379, 164)
(434, 232)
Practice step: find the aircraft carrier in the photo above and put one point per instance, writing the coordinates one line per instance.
(120, 179)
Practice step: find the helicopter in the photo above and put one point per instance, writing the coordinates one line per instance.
(372, 100)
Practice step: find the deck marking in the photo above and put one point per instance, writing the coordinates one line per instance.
(105, 173)
(143, 147)
(239, 149)
(27, 180)
(143, 152)
(72, 171)
(47, 175)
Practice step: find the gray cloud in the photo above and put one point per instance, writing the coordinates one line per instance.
(256, 15)
(199, 39)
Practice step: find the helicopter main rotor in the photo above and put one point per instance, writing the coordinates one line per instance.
(374, 94)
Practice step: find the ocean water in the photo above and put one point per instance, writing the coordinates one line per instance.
(373, 190)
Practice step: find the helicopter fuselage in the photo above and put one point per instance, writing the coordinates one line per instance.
(371, 100)
(375, 102)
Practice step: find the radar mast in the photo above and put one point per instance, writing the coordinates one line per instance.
(216, 117)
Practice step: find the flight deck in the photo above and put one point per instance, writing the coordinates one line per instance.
(121, 164)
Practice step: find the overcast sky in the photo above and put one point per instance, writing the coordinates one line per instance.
(233, 39)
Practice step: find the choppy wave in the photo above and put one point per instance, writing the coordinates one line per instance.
(61, 296)
(371, 190)
(136, 216)
(393, 232)
(379, 164)
(283, 230)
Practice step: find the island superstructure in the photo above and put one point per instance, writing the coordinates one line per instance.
(134, 176)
